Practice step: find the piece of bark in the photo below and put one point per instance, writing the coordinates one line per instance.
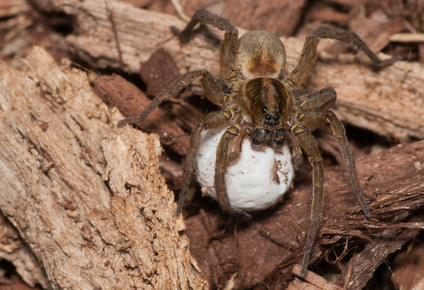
(362, 265)
(85, 196)
(158, 71)
(407, 267)
(9, 8)
(117, 92)
(385, 102)
(311, 281)
(279, 17)
(13, 249)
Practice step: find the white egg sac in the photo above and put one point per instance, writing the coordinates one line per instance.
(256, 181)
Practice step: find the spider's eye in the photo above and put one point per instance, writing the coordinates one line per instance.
(264, 110)
(268, 117)
(277, 117)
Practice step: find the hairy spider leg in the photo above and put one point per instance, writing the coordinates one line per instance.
(340, 133)
(309, 145)
(314, 112)
(222, 161)
(209, 121)
(211, 89)
(309, 52)
(323, 99)
(229, 44)
(316, 101)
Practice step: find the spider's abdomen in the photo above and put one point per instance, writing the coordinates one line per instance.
(260, 54)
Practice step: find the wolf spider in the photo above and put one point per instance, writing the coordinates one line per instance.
(261, 107)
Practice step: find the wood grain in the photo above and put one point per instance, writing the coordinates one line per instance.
(86, 197)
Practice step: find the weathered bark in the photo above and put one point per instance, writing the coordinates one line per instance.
(14, 250)
(85, 196)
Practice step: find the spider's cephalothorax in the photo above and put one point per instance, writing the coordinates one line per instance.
(260, 110)
(269, 105)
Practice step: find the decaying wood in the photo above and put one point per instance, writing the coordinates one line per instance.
(313, 281)
(387, 102)
(270, 15)
(361, 267)
(407, 267)
(14, 249)
(86, 197)
(9, 8)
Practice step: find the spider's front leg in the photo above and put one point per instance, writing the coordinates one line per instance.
(317, 101)
(309, 53)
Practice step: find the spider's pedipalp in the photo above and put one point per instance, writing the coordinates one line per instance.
(297, 156)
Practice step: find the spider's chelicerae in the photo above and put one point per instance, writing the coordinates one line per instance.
(261, 109)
